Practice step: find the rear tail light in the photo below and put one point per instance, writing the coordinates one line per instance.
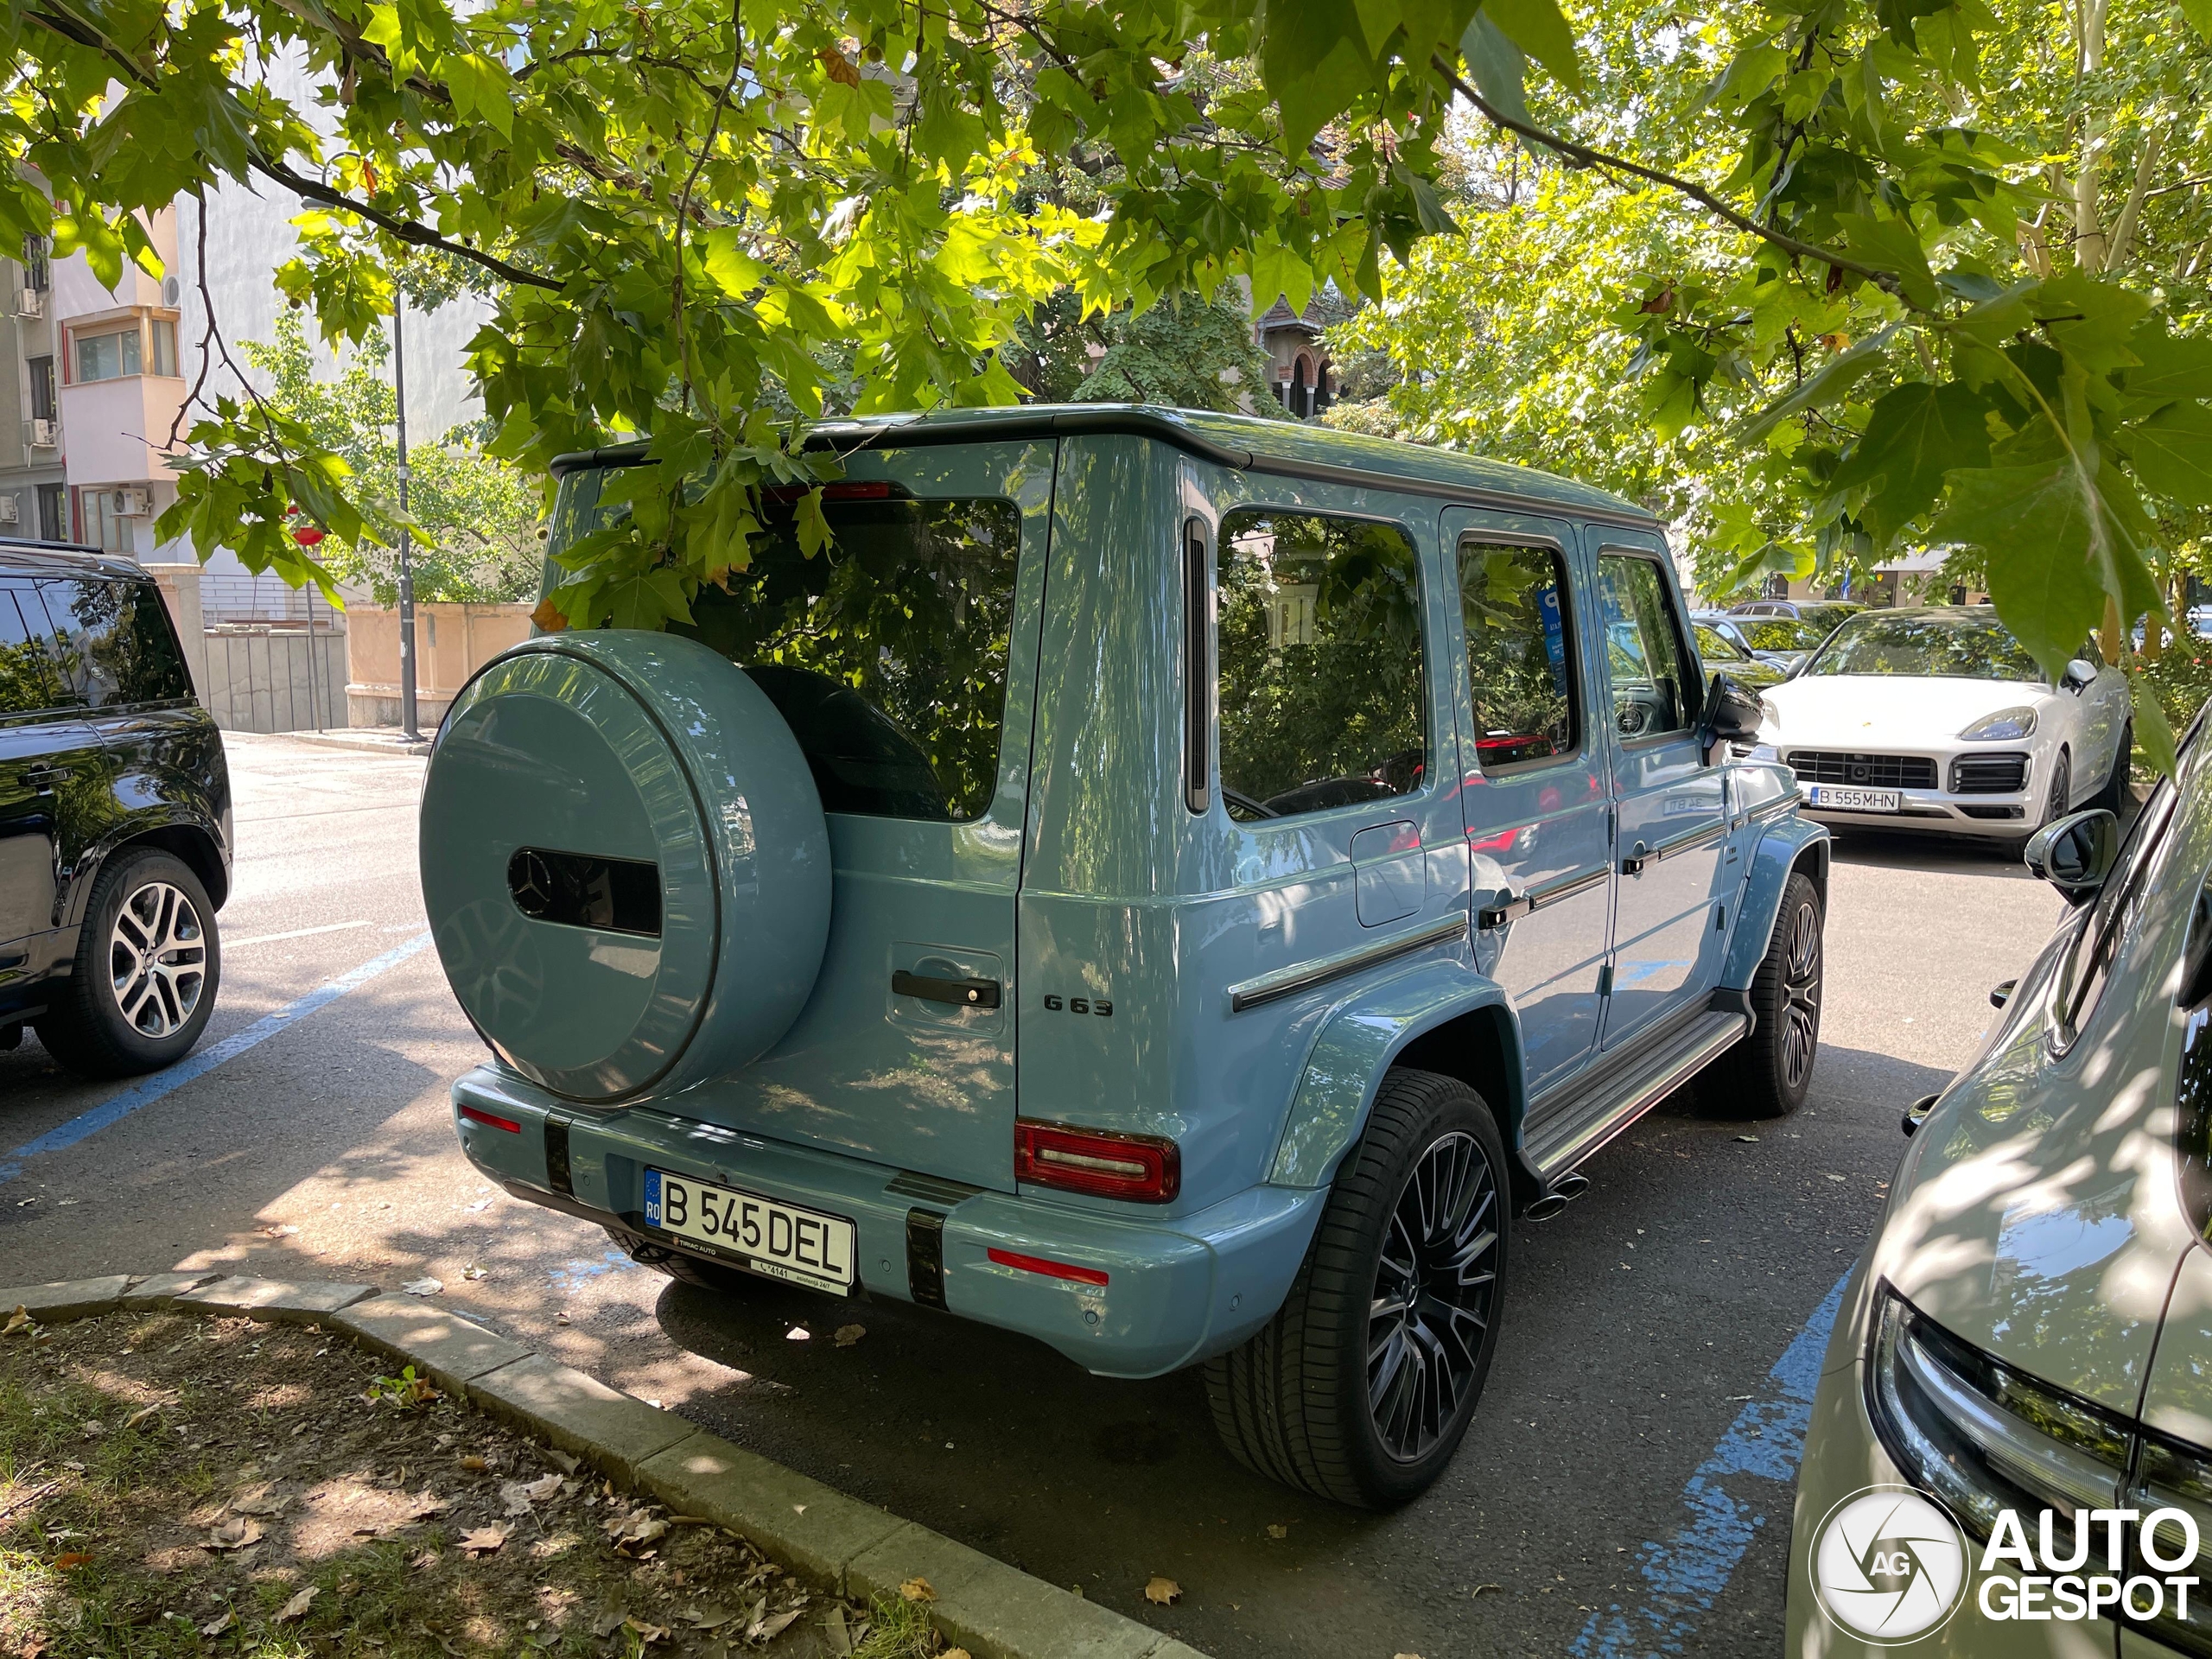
(1046, 1265)
(1144, 1168)
(476, 1116)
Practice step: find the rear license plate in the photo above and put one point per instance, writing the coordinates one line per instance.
(779, 1240)
(1854, 800)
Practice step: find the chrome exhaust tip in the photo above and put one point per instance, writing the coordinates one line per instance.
(1545, 1208)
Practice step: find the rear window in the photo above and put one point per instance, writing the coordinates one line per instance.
(1319, 652)
(114, 641)
(26, 682)
(886, 653)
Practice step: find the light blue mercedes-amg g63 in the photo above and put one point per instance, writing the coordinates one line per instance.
(1175, 884)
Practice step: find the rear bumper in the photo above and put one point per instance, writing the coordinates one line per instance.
(1178, 1291)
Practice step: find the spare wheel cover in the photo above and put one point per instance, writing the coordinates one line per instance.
(625, 862)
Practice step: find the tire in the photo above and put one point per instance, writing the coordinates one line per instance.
(114, 1018)
(1294, 1403)
(2058, 800)
(685, 1269)
(1771, 1071)
(2113, 795)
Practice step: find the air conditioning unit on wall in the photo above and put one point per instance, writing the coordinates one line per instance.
(32, 304)
(7, 509)
(129, 504)
(42, 435)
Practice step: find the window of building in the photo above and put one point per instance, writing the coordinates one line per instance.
(164, 332)
(53, 512)
(886, 652)
(1653, 675)
(43, 406)
(1520, 660)
(108, 356)
(1322, 698)
(36, 274)
(103, 527)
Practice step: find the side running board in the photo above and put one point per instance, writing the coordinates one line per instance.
(1564, 1133)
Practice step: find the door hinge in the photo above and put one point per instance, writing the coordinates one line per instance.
(1606, 980)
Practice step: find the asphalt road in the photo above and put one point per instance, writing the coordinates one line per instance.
(1641, 1324)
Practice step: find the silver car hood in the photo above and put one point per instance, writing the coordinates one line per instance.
(2037, 1214)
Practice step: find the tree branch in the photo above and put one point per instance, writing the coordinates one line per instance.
(1583, 153)
(406, 229)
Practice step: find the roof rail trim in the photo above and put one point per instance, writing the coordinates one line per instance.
(853, 437)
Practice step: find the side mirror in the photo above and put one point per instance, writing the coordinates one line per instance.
(1733, 711)
(2081, 673)
(2075, 854)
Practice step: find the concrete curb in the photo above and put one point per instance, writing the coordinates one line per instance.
(376, 739)
(994, 1610)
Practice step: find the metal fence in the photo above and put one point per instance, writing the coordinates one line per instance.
(274, 677)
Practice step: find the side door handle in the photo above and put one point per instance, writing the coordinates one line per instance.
(961, 993)
(1510, 907)
(1634, 863)
(43, 775)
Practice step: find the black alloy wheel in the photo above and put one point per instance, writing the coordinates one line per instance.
(1769, 1072)
(1435, 1288)
(1801, 990)
(1363, 1383)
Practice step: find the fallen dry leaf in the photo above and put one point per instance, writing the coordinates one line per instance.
(548, 618)
(423, 1286)
(238, 1533)
(298, 1606)
(144, 1413)
(917, 1589)
(646, 1633)
(485, 1541)
(75, 1558)
(609, 1621)
(261, 1503)
(474, 1465)
(1163, 1591)
(1278, 1532)
(848, 1334)
(638, 1527)
(472, 1271)
(19, 1320)
(955, 1653)
(767, 1630)
(216, 1626)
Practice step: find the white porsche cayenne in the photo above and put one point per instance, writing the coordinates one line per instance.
(1937, 719)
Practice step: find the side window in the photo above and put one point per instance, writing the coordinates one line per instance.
(1653, 675)
(115, 641)
(26, 672)
(1520, 663)
(885, 651)
(1319, 652)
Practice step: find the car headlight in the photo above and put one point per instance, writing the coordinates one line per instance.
(1766, 752)
(1983, 1438)
(2005, 726)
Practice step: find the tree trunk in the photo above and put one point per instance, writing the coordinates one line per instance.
(2090, 246)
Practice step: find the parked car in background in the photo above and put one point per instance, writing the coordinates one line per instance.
(2028, 1335)
(115, 817)
(1721, 643)
(1781, 642)
(1190, 959)
(1829, 612)
(1937, 719)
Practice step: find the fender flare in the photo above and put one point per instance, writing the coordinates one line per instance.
(1357, 1045)
(1786, 845)
(171, 816)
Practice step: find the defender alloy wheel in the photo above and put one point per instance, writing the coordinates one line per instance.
(149, 961)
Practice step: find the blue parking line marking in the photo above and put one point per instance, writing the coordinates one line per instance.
(197, 1064)
(1684, 1576)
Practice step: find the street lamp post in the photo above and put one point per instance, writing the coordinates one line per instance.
(407, 716)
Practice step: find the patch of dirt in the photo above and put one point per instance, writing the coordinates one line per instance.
(172, 1484)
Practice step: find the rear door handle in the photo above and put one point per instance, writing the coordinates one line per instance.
(46, 775)
(963, 993)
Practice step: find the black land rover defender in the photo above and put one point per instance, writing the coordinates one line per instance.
(115, 817)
